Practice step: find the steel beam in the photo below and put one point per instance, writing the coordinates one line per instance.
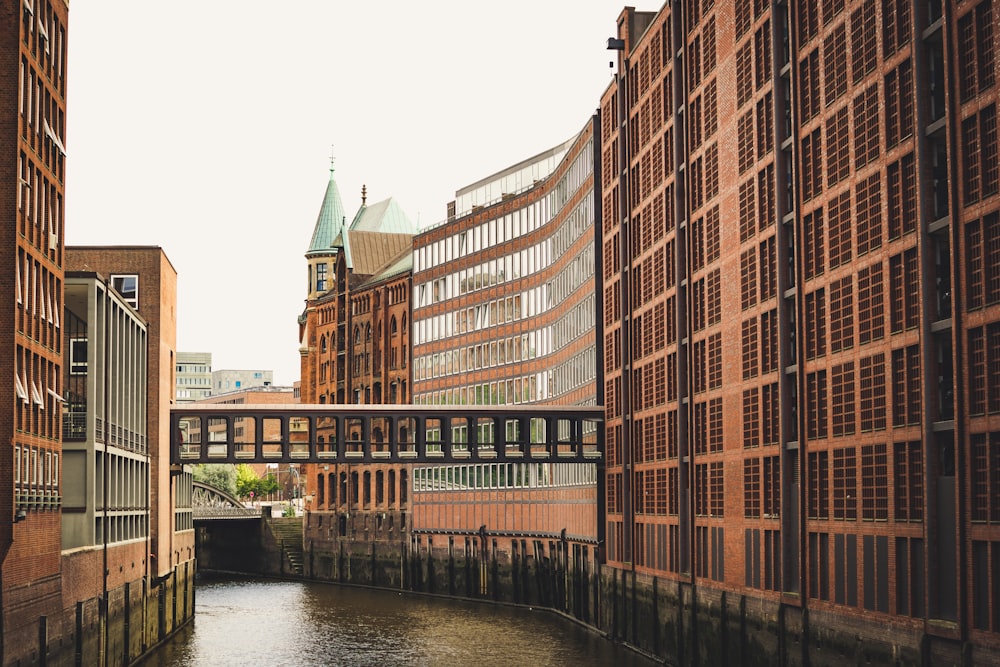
(222, 433)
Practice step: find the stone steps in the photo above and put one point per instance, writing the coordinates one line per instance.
(288, 534)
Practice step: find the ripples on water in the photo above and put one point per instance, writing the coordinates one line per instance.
(277, 623)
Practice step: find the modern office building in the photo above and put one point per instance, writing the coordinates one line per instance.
(504, 313)
(800, 224)
(355, 350)
(225, 381)
(151, 292)
(193, 376)
(104, 420)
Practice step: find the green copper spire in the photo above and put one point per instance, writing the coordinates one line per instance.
(330, 220)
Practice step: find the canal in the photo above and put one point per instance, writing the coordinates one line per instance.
(247, 622)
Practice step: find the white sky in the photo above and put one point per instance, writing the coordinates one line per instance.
(205, 127)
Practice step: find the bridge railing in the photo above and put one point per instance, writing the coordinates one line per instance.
(221, 433)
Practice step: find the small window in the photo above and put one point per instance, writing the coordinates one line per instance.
(128, 287)
(78, 356)
(36, 396)
(19, 387)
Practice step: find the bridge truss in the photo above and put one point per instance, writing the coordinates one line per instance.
(209, 502)
(224, 433)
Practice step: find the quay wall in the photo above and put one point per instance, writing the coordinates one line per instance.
(116, 627)
(675, 621)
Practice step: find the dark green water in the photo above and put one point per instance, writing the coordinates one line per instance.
(275, 623)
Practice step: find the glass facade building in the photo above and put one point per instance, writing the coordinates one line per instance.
(504, 313)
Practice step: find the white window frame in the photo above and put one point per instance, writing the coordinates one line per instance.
(118, 282)
(77, 367)
(36, 396)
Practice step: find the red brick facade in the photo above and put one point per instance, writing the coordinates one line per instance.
(356, 350)
(32, 130)
(800, 224)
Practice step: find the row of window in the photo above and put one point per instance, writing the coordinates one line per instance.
(38, 293)
(354, 490)
(576, 372)
(127, 481)
(36, 469)
(887, 395)
(511, 391)
(40, 209)
(481, 316)
(482, 237)
(45, 37)
(503, 476)
(833, 315)
(36, 386)
(510, 183)
(507, 350)
(491, 273)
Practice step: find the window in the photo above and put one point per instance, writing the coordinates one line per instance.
(809, 85)
(78, 356)
(321, 277)
(838, 160)
(128, 287)
(976, 50)
(844, 484)
(835, 61)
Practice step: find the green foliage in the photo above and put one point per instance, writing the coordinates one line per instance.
(248, 481)
(222, 476)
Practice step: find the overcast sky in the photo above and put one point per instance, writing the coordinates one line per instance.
(205, 127)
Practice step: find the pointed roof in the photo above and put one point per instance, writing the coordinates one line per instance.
(385, 216)
(330, 220)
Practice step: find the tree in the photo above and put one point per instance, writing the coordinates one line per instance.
(249, 482)
(221, 476)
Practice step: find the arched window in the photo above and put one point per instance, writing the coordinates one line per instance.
(393, 329)
(322, 344)
(320, 490)
(404, 323)
(357, 335)
(368, 333)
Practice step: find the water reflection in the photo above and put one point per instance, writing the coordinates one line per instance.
(241, 622)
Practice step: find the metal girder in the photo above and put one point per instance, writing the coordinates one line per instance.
(208, 502)
(222, 433)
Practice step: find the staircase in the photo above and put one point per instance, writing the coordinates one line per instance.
(287, 534)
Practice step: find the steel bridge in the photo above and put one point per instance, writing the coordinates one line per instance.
(209, 503)
(226, 433)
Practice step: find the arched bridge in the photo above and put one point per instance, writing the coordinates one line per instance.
(224, 433)
(209, 502)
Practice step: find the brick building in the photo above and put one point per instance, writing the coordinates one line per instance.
(504, 314)
(355, 350)
(800, 225)
(147, 281)
(33, 168)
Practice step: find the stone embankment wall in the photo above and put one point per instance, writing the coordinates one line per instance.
(115, 628)
(673, 621)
